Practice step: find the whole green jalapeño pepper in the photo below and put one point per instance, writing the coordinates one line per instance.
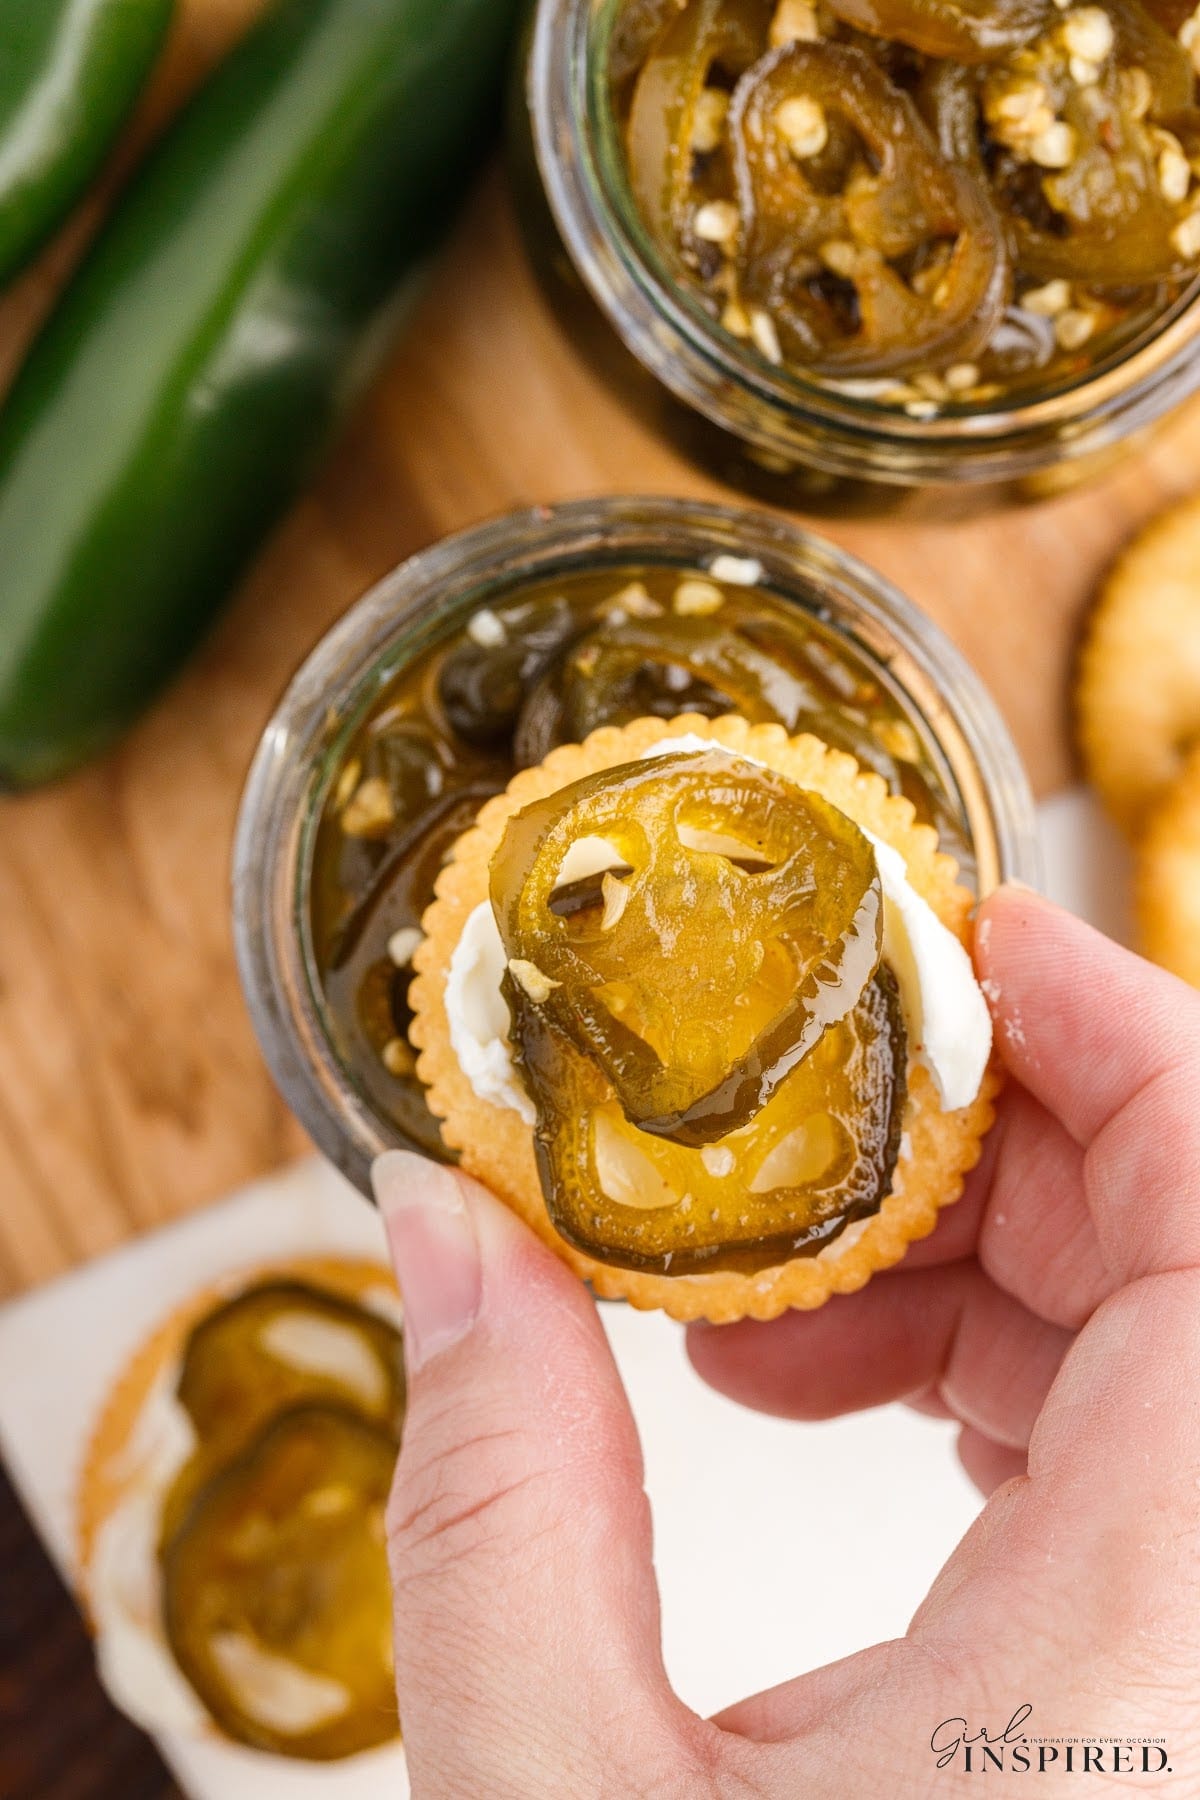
(70, 70)
(190, 378)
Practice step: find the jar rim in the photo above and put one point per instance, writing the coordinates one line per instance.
(775, 408)
(298, 754)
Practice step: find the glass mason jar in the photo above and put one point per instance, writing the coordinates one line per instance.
(981, 784)
(766, 429)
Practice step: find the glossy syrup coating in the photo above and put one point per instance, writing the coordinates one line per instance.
(536, 668)
(273, 1346)
(281, 1557)
(718, 1078)
(884, 196)
(819, 1154)
(235, 1388)
(233, 1376)
(743, 920)
(950, 200)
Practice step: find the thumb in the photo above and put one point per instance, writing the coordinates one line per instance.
(526, 1611)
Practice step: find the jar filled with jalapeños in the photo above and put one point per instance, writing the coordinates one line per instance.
(938, 244)
(479, 656)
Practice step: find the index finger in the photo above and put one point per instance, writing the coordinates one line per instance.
(1080, 1022)
(1110, 1047)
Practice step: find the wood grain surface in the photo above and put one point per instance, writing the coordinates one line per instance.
(130, 1086)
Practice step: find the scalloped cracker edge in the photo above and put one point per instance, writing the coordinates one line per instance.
(1138, 684)
(496, 1146)
(1167, 878)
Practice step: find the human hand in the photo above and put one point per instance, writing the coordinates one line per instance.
(1055, 1313)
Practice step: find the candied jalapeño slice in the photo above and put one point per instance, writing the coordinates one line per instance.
(276, 1345)
(742, 918)
(658, 668)
(709, 39)
(1106, 217)
(276, 1599)
(967, 31)
(830, 242)
(819, 1155)
(881, 191)
(283, 1341)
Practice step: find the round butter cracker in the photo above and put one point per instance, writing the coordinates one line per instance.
(496, 1146)
(1167, 878)
(1138, 691)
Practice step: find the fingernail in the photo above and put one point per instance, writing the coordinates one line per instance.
(434, 1251)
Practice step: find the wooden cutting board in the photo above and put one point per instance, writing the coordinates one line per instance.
(131, 1088)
